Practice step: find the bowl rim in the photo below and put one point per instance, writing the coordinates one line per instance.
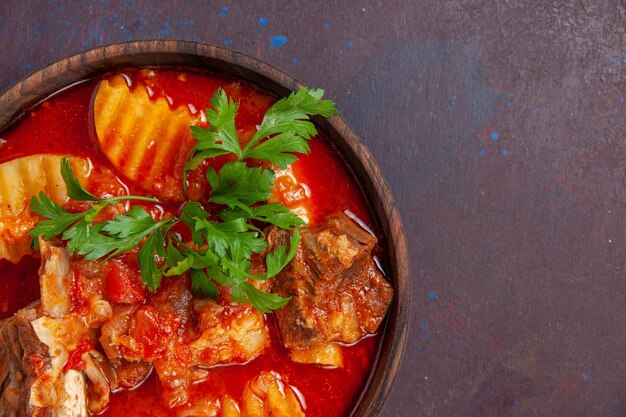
(20, 97)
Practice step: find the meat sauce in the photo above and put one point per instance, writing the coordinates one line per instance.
(62, 125)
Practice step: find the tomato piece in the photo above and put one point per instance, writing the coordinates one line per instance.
(124, 284)
(75, 358)
(152, 330)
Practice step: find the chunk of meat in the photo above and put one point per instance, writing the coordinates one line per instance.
(98, 387)
(155, 333)
(54, 279)
(31, 383)
(337, 292)
(22, 359)
(229, 333)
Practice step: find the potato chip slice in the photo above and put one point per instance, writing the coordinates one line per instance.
(21, 179)
(144, 138)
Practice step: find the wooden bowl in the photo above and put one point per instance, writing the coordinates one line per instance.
(19, 98)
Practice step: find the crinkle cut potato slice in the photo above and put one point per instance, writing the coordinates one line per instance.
(144, 138)
(20, 180)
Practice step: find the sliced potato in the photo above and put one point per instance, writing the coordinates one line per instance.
(144, 138)
(325, 354)
(25, 177)
(267, 395)
(20, 180)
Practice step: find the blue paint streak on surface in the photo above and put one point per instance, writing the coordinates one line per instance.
(621, 99)
(224, 11)
(349, 44)
(618, 62)
(536, 110)
(278, 41)
(326, 25)
(504, 152)
(425, 336)
(432, 294)
(262, 22)
(294, 60)
(228, 42)
(494, 136)
(452, 99)
(425, 325)
(482, 153)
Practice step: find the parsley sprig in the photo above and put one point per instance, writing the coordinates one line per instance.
(223, 242)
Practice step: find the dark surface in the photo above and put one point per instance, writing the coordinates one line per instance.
(501, 128)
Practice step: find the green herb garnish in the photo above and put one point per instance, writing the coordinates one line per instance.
(222, 242)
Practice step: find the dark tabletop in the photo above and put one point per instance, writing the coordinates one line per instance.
(501, 128)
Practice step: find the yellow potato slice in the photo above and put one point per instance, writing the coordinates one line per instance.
(20, 180)
(324, 354)
(144, 138)
(267, 395)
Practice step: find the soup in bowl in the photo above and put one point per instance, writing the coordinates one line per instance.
(188, 232)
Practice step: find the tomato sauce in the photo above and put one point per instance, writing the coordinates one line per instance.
(62, 124)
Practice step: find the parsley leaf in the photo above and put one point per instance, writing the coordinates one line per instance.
(151, 274)
(74, 189)
(273, 213)
(201, 284)
(59, 219)
(260, 300)
(237, 185)
(288, 118)
(279, 258)
(277, 149)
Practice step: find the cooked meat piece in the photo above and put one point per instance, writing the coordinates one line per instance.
(229, 333)
(267, 395)
(57, 388)
(337, 292)
(98, 384)
(54, 279)
(174, 295)
(22, 359)
(88, 284)
(175, 374)
(154, 333)
(31, 382)
(115, 329)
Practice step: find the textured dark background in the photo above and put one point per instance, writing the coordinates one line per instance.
(501, 128)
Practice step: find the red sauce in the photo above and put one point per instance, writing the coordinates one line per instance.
(61, 125)
(19, 285)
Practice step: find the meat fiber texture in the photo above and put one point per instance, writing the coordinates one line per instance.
(22, 355)
(338, 294)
